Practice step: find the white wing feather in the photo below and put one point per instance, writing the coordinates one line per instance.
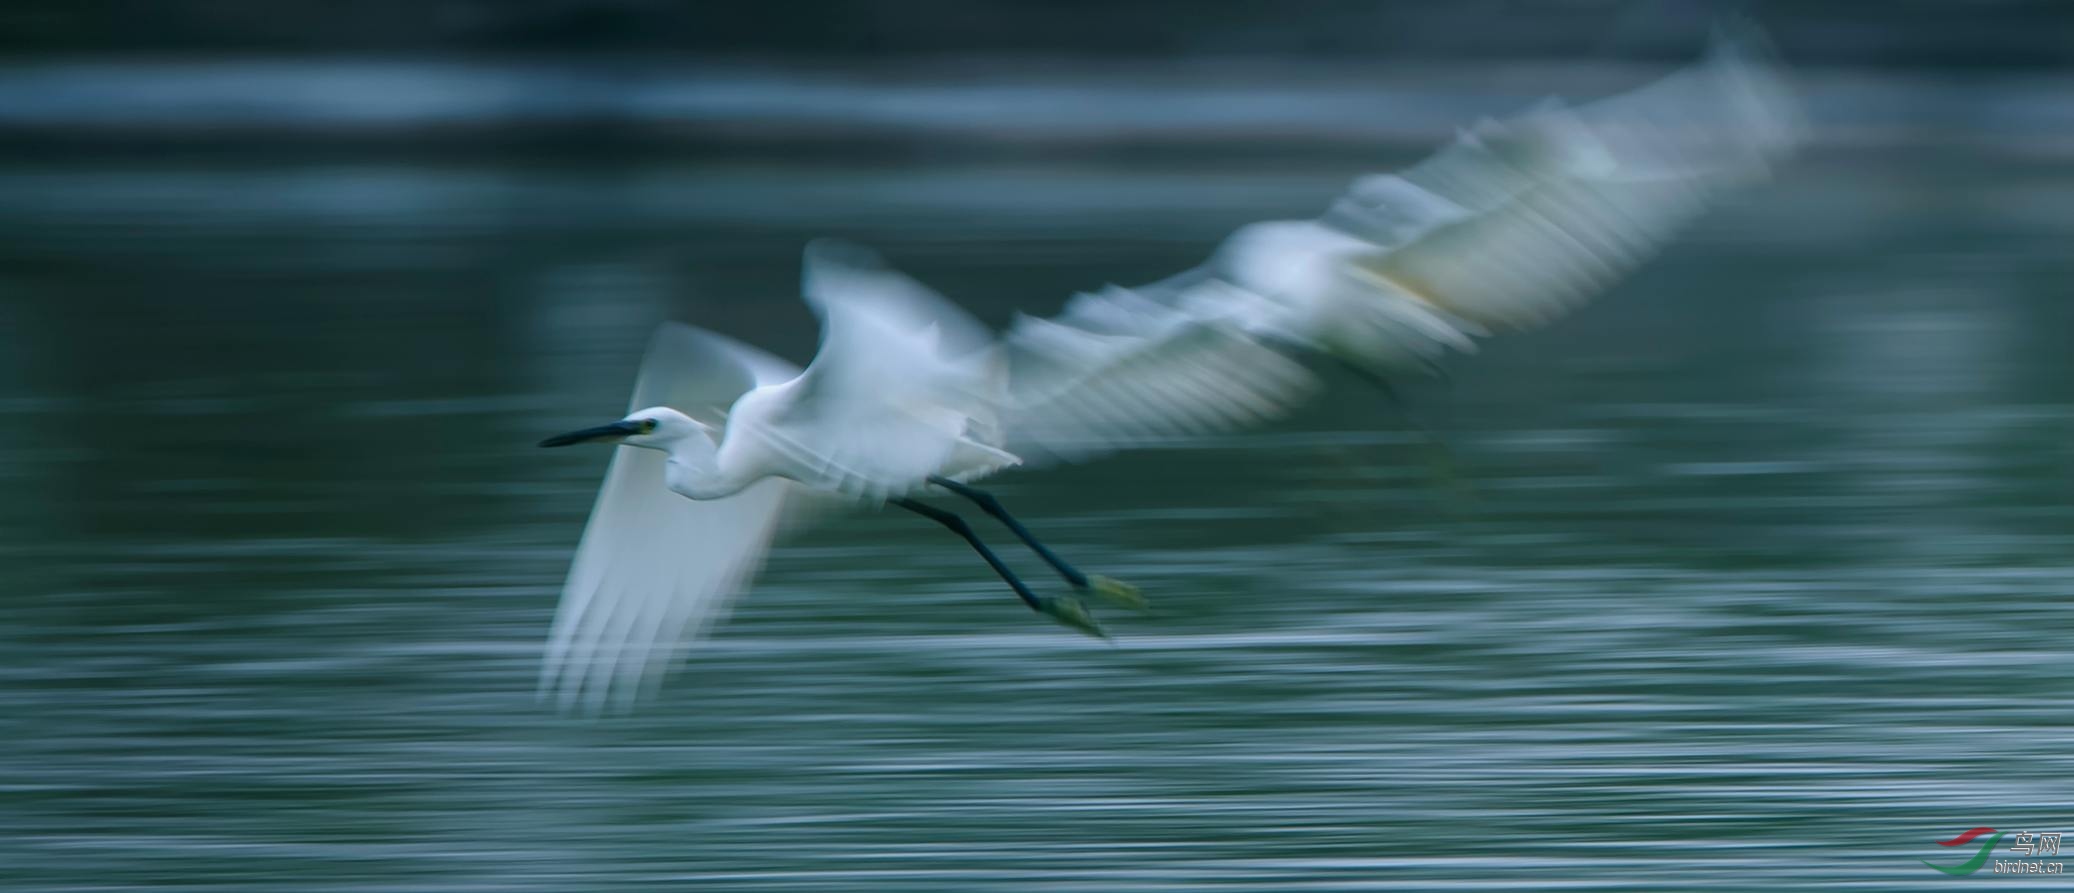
(905, 385)
(1117, 369)
(1510, 226)
(1521, 221)
(654, 570)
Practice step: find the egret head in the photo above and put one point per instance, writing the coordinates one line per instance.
(656, 428)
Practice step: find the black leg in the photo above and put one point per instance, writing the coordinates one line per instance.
(1378, 381)
(987, 503)
(1066, 610)
(958, 526)
(1438, 457)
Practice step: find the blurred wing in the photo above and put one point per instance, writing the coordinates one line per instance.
(1119, 369)
(860, 300)
(904, 385)
(654, 570)
(700, 373)
(1510, 226)
(1522, 220)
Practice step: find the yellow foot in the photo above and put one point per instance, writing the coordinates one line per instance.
(1117, 592)
(1069, 611)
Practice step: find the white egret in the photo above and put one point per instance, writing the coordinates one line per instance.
(1514, 224)
(1510, 226)
(903, 396)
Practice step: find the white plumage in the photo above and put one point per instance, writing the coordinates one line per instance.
(905, 386)
(1510, 226)
(655, 569)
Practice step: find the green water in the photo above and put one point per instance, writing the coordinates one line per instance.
(1755, 574)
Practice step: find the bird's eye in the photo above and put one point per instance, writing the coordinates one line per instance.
(647, 426)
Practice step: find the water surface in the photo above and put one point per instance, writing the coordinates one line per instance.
(1755, 573)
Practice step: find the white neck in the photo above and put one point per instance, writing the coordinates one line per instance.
(694, 470)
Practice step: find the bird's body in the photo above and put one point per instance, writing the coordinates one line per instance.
(1309, 285)
(1508, 227)
(782, 431)
(903, 397)
(886, 404)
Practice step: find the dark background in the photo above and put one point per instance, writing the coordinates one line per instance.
(1906, 33)
(1755, 573)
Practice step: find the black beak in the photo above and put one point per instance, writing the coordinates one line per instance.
(614, 430)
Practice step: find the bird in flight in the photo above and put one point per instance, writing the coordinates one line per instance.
(1508, 227)
(1513, 224)
(904, 396)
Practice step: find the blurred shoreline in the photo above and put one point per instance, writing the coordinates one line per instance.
(1057, 108)
(1922, 34)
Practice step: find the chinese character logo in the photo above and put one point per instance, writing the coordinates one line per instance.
(1980, 858)
(2028, 844)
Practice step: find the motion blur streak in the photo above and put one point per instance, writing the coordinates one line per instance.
(1755, 572)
